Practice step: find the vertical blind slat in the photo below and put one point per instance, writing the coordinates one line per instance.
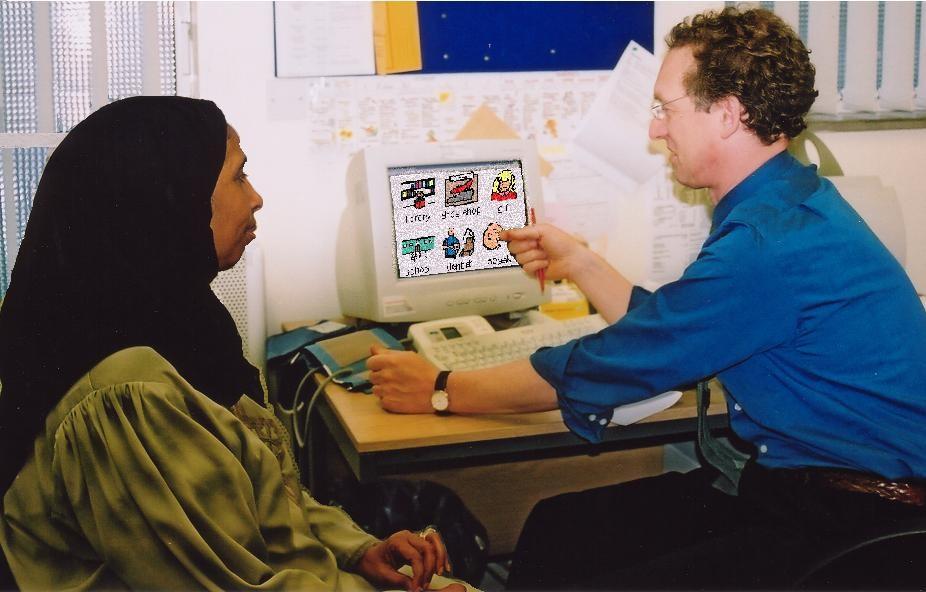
(896, 91)
(860, 90)
(823, 42)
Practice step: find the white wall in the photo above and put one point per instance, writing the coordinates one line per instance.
(303, 195)
(304, 192)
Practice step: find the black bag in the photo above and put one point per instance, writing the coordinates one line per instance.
(390, 505)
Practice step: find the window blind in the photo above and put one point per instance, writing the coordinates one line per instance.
(869, 55)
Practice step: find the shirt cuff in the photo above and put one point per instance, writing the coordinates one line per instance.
(583, 419)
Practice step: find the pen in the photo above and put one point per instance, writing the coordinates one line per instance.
(541, 273)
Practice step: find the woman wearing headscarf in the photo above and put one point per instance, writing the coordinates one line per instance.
(134, 452)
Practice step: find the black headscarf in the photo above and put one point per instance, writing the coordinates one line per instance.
(118, 252)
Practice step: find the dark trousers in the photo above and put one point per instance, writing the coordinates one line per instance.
(676, 531)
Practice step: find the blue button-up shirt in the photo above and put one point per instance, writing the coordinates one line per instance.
(809, 322)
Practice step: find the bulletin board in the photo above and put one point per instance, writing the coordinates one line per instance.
(530, 36)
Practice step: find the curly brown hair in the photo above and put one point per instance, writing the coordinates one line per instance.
(754, 56)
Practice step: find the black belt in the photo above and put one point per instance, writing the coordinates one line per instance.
(906, 492)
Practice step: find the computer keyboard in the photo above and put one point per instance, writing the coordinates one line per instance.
(491, 349)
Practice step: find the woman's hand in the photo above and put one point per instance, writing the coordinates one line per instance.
(424, 552)
(542, 246)
(403, 381)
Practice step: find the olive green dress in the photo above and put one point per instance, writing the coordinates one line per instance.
(139, 481)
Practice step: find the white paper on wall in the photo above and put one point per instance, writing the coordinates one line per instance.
(613, 138)
(323, 38)
(582, 202)
(352, 112)
(680, 222)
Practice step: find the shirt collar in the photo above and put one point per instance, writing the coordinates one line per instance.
(751, 185)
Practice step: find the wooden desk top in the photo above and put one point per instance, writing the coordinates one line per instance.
(371, 429)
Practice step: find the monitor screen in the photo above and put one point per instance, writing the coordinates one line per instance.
(448, 217)
(419, 238)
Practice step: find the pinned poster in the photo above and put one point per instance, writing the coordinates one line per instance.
(323, 39)
(396, 38)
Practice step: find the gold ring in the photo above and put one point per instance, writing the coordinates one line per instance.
(423, 533)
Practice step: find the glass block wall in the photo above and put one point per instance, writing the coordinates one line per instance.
(123, 49)
(68, 34)
(71, 62)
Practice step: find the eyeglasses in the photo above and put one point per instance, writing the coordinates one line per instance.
(659, 109)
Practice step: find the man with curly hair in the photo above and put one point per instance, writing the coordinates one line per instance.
(813, 328)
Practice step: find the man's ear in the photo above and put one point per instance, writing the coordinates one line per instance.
(731, 115)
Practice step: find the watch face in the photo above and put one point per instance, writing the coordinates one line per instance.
(440, 401)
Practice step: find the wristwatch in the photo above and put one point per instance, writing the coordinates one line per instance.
(440, 400)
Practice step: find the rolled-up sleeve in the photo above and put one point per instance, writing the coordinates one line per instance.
(687, 330)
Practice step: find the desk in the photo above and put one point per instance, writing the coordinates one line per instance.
(376, 443)
(501, 465)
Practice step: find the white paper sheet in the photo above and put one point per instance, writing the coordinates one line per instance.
(323, 38)
(634, 412)
(680, 222)
(581, 202)
(613, 138)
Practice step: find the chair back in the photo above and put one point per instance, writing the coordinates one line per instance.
(888, 560)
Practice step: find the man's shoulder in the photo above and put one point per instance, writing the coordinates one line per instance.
(786, 204)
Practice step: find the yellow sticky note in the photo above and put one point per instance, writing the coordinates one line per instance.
(396, 40)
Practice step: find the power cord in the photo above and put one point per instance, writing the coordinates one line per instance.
(297, 405)
(303, 438)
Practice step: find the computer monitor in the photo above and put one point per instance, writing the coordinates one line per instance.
(418, 239)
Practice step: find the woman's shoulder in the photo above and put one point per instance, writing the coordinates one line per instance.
(132, 364)
(132, 376)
